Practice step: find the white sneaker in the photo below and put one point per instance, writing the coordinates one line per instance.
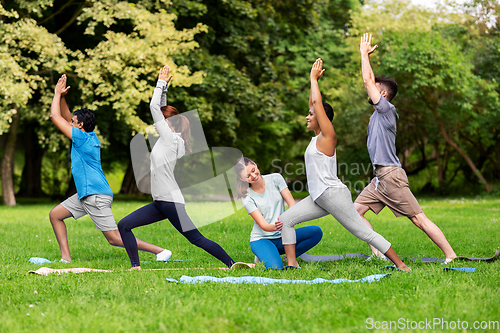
(446, 261)
(164, 255)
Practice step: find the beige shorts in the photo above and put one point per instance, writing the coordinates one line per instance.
(390, 188)
(98, 207)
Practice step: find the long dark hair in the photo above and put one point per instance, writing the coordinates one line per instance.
(239, 166)
(180, 124)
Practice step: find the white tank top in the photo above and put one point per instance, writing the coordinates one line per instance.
(321, 170)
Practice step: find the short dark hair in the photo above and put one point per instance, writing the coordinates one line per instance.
(86, 117)
(390, 85)
(328, 110)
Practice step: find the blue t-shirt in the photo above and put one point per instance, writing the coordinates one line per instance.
(86, 164)
(381, 142)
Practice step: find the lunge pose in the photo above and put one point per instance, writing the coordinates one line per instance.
(168, 200)
(94, 196)
(328, 195)
(263, 197)
(390, 186)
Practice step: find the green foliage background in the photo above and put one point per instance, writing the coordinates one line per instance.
(244, 66)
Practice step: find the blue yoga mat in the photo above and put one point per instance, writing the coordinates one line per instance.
(461, 269)
(265, 280)
(39, 261)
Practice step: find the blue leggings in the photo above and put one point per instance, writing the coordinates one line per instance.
(269, 250)
(176, 214)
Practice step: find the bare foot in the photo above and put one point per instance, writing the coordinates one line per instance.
(405, 268)
(135, 268)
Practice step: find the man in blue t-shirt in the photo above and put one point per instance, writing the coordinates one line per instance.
(94, 196)
(390, 186)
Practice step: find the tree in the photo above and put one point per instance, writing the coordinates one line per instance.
(112, 73)
(28, 53)
(257, 56)
(440, 94)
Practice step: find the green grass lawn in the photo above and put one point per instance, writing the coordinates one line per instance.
(143, 301)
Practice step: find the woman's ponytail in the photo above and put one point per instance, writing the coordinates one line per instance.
(180, 124)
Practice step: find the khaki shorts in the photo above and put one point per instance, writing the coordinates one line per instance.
(390, 188)
(98, 207)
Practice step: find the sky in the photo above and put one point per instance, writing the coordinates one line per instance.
(431, 3)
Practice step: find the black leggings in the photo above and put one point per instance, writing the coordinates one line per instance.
(176, 214)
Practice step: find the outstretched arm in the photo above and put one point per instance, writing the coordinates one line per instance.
(55, 109)
(366, 69)
(327, 140)
(155, 106)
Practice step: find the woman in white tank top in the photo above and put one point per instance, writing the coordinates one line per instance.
(328, 195)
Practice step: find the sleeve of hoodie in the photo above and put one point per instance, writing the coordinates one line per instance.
(160, 96)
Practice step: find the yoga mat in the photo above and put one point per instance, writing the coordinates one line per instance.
(265, 280)
(335, 257)
(461, 269)
(494, 257)
(47, 271)
(488, 259)
(39, 261)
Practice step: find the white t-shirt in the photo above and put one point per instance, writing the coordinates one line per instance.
(270, 204)
(321, 170)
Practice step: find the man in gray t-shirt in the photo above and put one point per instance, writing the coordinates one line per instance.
(390, 186)
(381, 141)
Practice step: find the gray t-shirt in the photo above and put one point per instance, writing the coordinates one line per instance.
(381, 141)
(270, 204)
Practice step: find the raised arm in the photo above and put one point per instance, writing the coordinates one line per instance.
(310, 93)
(55, 110)
(65, 112)
(366, 69)
(327, 140)
(159, 95)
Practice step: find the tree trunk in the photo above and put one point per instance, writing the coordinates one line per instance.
(31, 182)
(129, 185)
(71, 188)
(466, 157)
(9, 197)
(440, 165)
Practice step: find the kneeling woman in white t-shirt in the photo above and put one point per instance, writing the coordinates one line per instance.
(263, 197)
